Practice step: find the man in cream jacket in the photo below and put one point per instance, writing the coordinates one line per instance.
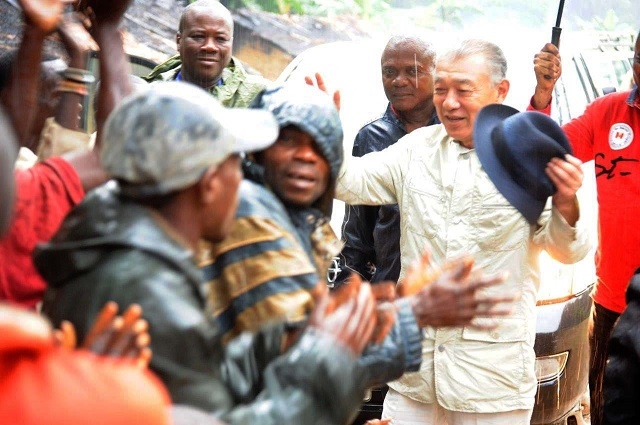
(448, 203)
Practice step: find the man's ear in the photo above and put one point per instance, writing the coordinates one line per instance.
(178, 40)
(503, 90)
(209, 186)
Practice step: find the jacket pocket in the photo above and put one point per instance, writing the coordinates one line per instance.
(511, 329)
(498, 225)
(425, 194)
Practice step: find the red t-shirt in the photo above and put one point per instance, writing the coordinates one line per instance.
(609, 133)
(45, 194)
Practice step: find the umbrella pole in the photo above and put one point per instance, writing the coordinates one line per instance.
(555, 32)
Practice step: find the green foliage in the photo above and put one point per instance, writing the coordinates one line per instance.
(459, 14)
(446, 14)
(610, 22)
(363, 8)
(618, 15)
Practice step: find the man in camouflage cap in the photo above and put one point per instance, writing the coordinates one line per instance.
(173, 152)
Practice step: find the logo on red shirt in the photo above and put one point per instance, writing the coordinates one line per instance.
(620, 136)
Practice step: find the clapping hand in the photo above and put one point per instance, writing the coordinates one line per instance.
(112, 335)
(451, 295)
(349, 315)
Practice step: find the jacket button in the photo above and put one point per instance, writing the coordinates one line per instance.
(441, 348)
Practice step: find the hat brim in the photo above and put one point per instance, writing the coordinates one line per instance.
(487, 120)
(252, 129)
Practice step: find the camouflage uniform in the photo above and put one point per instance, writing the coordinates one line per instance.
(237, 90)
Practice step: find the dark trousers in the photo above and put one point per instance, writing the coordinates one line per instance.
(602, 321)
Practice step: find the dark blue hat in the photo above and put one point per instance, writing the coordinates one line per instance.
(514, 149)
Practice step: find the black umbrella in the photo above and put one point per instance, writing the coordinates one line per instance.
(555, 34)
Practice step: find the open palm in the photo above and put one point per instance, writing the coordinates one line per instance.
(43, 14)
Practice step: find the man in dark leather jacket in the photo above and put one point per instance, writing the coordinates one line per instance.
(173, 151)
(371, 234)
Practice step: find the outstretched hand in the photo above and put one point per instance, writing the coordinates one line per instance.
(453, 297)
(43, 14)
(349, 315)
(384, 294)
(319, 82)
(120, 336)
(112, 335)
(421, 273)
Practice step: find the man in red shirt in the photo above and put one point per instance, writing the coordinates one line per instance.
(44, 383)
(48, 191)
(608, 132)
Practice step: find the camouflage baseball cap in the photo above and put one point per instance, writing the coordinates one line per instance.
(164, 138)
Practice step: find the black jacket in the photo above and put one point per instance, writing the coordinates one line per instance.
(622, 374)
(372, 233)
(110, 248)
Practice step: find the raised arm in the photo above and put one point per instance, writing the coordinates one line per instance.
(78, 44)
(20, 97)
(548, 68)
(114, 86)
(114, 66)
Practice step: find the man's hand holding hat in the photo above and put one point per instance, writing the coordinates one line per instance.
(528, 158)
(567, 177)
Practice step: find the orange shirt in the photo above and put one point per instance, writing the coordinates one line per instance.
(42, 384)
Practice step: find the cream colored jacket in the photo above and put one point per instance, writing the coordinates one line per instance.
(447, 202)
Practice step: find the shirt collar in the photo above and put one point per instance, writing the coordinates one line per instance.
(179, 78)
(433, 120)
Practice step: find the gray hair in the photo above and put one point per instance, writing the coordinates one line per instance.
(417, 43)
(494, 56)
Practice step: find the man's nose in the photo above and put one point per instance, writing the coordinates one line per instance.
(306, 152)
(451, 100)
(210, 44)
(400, 80)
